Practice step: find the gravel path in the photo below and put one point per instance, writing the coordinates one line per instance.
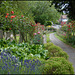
(68, 49)
(44, 40)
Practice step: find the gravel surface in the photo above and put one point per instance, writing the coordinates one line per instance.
(44, 40)
(68, 49)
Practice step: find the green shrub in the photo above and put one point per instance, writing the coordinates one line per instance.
(58, 65)
(55, 51)
(46, 45)
(48, 23)
(51, 28)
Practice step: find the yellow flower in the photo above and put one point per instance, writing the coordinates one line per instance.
(49, 26)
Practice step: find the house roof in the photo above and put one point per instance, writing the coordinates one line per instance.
(64, 16)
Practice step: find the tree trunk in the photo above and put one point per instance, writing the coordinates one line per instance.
(14, 33)
(1, 34)
(20, 38)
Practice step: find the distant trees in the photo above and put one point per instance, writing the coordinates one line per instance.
(42, 12)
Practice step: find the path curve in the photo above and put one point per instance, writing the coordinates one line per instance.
(69, 50)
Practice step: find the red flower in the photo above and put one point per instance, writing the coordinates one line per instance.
(6, 16)
(21, 15)
(64, 22)
(12, 12)
(10, 28)
(12, 16)
(42, 28)
(68, 29)
(69, 26)
(32, 25)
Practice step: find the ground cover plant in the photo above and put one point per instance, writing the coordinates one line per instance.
(10, 64)
(25, 50)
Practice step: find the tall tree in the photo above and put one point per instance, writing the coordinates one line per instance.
(65, 5)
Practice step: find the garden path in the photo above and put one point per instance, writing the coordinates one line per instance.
(44, 38)
(68, 49)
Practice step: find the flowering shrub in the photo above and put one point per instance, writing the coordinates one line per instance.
(67, 31)
(38, 35)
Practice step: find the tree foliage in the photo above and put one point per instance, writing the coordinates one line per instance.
(42, 12)
(65, 5)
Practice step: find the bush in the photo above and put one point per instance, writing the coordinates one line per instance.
(46, 45)
(48, 23)
(51, 29)
(58, 65)
(55, 51)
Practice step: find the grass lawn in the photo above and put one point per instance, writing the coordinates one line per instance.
(60, 38)
(17, 37)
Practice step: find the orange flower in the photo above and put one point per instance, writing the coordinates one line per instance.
(6, 16)
(12, 16)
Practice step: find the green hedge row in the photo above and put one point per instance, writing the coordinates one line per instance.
(58, 62)
(58, 65)
(55, 51)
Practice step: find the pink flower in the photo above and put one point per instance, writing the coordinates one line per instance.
(12, 12)
(21, 15)
(38, 32)
(34, 34)
(10, 20)
(38, 40)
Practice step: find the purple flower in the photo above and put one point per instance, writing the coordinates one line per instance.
(1, 57)
(5, 54)
(27, 61)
